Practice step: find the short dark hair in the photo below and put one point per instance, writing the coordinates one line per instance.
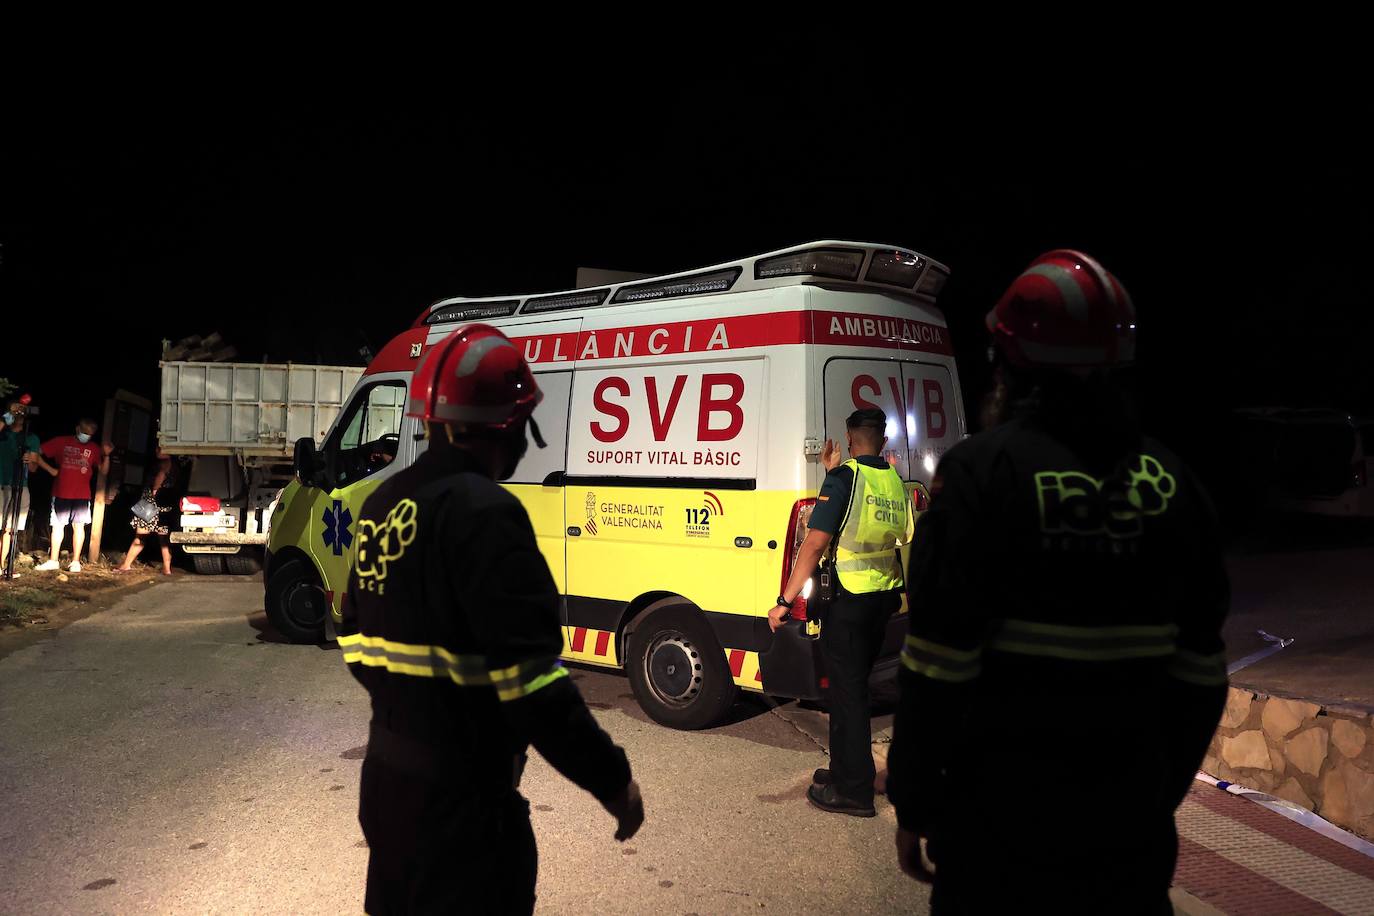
(87, 422)
(869, 417)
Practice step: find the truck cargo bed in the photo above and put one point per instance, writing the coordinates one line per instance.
(249, 408)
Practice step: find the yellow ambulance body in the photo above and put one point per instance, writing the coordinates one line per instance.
(685, 417)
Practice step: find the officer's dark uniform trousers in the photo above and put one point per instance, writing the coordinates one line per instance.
(451, 623)
(851, 638)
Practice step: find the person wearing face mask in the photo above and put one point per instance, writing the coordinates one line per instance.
(76, 457)
(18, 455)
(451, 622)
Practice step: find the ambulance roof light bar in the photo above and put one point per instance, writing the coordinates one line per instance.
(715, 281)
(583, 298)
(472, 311)
(859, 263)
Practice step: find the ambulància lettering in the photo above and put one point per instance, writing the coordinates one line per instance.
(885, 328)
(614, 344)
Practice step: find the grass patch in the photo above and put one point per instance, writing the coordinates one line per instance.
(18, 603)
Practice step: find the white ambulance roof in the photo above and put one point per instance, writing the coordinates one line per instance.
(846, 264)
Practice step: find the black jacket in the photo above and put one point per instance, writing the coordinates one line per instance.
(1065, 628)
(451, 622)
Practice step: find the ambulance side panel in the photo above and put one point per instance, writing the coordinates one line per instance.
(668, 454)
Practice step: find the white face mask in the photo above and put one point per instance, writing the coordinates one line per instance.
(83, 438)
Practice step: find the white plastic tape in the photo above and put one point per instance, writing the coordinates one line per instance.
(1293, 813)
(1278, 643)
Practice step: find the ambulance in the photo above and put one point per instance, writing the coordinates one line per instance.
(685, 416)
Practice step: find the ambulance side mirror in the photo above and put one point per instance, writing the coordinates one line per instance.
(306, 463)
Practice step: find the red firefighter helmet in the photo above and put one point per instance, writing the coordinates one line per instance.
(1065, 311)
(474, 377)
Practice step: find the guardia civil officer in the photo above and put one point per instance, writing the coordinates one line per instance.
(1064, 670)
(451, 622)
(861, 517)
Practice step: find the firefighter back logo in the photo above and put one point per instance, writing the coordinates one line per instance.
(382, 543)
(699, 519)
(1073, 504)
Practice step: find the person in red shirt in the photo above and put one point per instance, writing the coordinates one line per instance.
(76, 456)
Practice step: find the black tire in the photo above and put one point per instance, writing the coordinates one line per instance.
(243, 564)
(677, 668)
(208, 564)
(295, 603)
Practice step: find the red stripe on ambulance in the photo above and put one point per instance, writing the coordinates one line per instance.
(579, 638)
(735, 333)
(736, 662)
(603, 640)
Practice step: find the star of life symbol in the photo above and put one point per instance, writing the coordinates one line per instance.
(337, 518)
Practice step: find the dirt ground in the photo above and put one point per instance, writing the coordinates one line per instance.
(38, 601)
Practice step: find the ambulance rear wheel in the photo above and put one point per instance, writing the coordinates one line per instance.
(295, 603)
(677, 668)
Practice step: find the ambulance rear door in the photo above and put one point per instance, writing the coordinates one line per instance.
(857, 383)
(932, 415)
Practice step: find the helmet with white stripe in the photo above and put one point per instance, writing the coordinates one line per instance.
(476, 378)
(1065, 311)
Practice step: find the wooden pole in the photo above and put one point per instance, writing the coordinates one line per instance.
(98, 505)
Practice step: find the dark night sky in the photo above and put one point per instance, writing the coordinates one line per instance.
(303, 229)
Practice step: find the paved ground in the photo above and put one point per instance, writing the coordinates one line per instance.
(163, 756)
(1312, 581)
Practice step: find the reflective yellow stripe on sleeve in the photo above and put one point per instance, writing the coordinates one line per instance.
(1202, 670)
(1087, 644)
(511, 683)
(940, 662)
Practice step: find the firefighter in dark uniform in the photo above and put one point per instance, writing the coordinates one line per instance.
(863, 514)
(1064, 670)
(451, 622)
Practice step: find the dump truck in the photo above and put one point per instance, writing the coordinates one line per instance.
(238, 424)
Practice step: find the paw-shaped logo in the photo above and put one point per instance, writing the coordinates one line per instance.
(1149, 487)
(381, 543)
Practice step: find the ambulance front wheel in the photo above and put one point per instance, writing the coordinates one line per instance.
(295, 603)
(677, 669)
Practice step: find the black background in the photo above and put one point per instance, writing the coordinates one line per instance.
(305, 226)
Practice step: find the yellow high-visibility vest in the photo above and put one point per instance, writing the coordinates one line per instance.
(879, 520)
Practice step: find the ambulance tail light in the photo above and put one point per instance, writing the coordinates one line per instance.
(200, 504)
(920, 498)
(797, 528)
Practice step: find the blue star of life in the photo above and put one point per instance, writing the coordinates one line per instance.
(337, 518)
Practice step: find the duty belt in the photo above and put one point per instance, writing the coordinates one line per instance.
(409, 755)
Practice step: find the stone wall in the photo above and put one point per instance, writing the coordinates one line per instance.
(1319, 757)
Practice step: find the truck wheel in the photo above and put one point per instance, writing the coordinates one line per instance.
(208, 564)
(677, 668)
(295, 603)
(243, 564)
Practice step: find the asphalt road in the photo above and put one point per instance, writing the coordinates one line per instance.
(162, 755)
